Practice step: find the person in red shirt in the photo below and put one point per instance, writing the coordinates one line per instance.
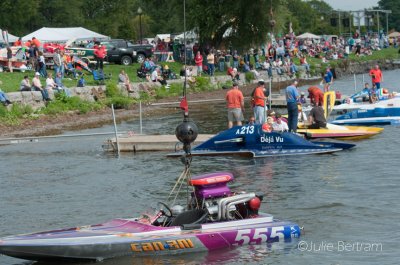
(100, 52)
(18, 42)
(376, 76)
(258, 102)
(316, 96)
(235, 104)
(198, 59)
(37, 43)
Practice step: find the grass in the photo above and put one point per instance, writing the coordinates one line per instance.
(62, 104)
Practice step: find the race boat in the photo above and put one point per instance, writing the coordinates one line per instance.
(384, 112)
(350, 104)
(339, 132)
(214, 218)
(259, 141)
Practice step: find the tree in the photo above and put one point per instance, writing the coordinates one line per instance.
(394, 18)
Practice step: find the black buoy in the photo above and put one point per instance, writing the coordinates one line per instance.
(186, 132)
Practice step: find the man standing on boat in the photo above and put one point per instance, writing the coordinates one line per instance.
(376, 75)
(292, 96)
(258, 102)
(235, 104)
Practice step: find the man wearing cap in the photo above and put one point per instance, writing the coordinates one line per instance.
(37, 86)
(292, 96)
(258, 102)
(235, 104)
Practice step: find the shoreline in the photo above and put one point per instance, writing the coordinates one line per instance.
(54, 125)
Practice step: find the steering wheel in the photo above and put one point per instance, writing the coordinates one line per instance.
(166, 211)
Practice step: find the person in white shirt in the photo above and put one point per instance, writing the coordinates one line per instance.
(37, 86)
(280, 125)
(50, 84)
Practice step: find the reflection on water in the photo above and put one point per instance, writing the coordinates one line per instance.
(348, 196)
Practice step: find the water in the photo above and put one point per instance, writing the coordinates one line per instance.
(349, 197)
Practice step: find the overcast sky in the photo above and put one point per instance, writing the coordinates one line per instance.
(351, 4)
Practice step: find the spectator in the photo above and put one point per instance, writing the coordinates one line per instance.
(25, 84)
(33, 56)
(37, 86)
(156, 77)
(100, 53)
(123, 78)
(60, 86)
(58, 61)
(211, 63)
(198, 59)
(9, 59)
(42, 65)
(3, 97)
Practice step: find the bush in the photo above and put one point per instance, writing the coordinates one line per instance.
(13, 116)
(249, 76)
(119, 102)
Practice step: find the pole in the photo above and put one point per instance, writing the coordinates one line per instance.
(355, 83)
(140, 26)
(377, 13)
(340, 29)
(140, 117)
(184, 44)
(387, 23)
(363, 78)
(115, 128)
(270, 93)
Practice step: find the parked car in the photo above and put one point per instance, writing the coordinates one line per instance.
(118, 51)
(125, 52)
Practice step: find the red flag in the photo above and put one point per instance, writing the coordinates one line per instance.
(184, 105)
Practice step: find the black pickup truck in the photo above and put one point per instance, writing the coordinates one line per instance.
(124, 52)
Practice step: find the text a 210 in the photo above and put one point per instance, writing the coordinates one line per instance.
(245, 130)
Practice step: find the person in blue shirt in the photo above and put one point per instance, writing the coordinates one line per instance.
(292, 96)
(328, 78)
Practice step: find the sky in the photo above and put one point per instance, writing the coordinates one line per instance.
(351, 5)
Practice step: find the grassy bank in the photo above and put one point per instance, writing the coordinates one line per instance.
(62, 104)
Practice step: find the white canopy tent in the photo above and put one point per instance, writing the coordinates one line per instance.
(190, 35)
(394, 34)
(165, 37)
(308, 35)
(64, 34)
(11, 38)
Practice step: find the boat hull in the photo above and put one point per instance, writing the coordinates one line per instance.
(341, 132)
(252, 140)
(127, 237)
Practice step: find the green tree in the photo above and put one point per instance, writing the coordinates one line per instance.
(394, 18)
(18, 16)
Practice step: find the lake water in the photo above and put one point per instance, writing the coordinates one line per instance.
(345, 201)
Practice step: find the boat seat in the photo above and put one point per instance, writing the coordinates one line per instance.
(195, 216)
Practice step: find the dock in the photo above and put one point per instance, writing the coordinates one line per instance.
(143, 142)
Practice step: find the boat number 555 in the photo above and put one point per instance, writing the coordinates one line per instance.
(259, 235)
(245, 130)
